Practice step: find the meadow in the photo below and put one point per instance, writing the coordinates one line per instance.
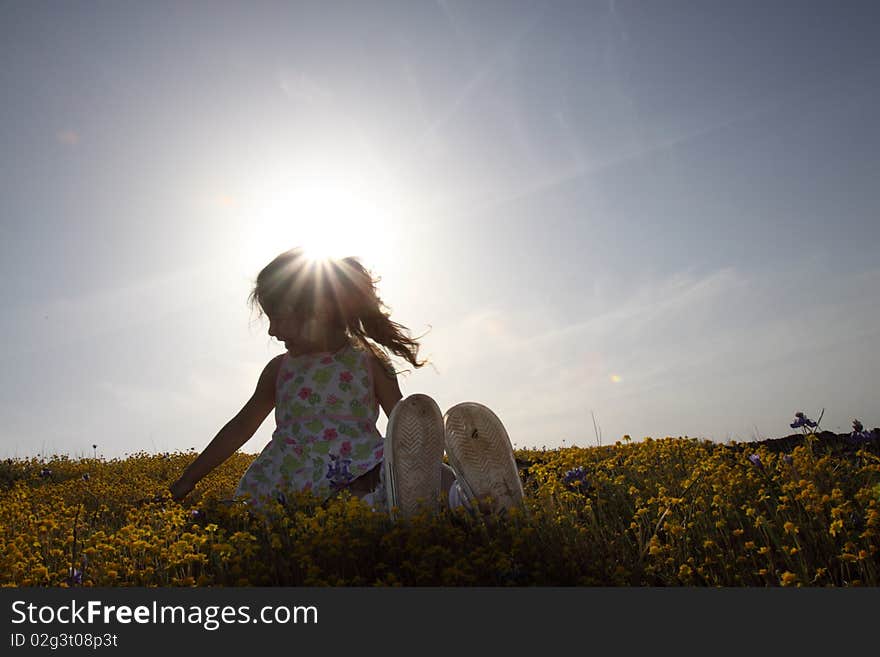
(655, 512)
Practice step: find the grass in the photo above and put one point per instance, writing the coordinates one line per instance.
(667, 512)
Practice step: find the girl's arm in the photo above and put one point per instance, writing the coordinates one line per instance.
(386, 387)
(234, 434)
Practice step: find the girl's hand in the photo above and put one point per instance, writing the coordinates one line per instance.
(180, 489)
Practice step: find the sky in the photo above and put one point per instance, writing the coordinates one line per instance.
(599, 217)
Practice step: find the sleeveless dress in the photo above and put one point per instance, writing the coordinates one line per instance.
(325, 436)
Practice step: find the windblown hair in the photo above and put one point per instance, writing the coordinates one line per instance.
(292, 282)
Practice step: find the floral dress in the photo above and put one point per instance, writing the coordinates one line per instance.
(326, 435)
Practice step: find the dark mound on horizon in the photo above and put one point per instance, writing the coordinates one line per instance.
(837, 442)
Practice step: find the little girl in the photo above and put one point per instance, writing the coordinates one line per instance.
(326, 390)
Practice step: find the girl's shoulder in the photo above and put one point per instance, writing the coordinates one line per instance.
(276, 361)
(267, 383)
(273, 367)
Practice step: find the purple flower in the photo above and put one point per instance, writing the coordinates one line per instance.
(86, 476)
(859, 435)
(338, 471)
(786, 458)
(802, 421)
(756, 460)
(45, 472)
(76, 576)
(576, 477)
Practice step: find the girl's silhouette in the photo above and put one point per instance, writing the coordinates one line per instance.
(326, 390)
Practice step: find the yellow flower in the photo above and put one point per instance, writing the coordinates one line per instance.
(788, 579)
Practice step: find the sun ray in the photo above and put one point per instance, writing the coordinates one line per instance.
(328, 217)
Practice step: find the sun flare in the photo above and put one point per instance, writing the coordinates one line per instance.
(327, 218)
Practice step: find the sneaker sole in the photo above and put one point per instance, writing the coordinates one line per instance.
(481, 454)
(413, 452)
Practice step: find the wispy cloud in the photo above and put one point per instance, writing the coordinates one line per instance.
(655, 348)
(298, 86)
(451, 18)
(86, 317)
(727, 320)
(210, 384)
(483, 75)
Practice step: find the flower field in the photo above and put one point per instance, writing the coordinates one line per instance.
(666, 512)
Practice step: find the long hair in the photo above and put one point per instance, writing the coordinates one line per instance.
(345, 288)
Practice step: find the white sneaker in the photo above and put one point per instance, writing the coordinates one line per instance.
(413, 454)
(457, 499)
(480, 452)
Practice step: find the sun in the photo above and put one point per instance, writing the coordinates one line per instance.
(327, 217)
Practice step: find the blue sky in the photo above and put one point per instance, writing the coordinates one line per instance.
(664, 214)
